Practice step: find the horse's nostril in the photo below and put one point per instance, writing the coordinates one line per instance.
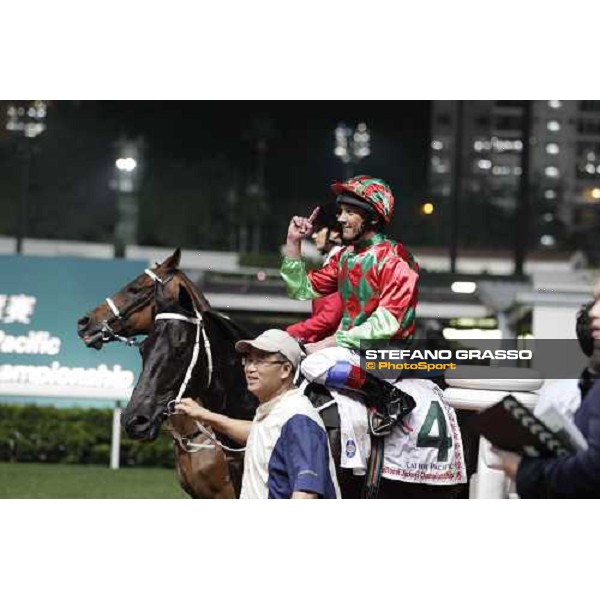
(139, 421)
(83, 321)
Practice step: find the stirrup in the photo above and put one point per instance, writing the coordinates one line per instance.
(380, 425)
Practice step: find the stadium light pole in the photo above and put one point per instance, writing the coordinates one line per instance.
(26, 119)
(351, 146)
(126, 183)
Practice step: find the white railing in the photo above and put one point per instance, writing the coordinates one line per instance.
(481, 393)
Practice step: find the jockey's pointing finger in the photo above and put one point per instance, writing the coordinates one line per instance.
(313, 215)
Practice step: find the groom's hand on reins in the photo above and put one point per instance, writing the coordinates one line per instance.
(191, 408)
(236, 429)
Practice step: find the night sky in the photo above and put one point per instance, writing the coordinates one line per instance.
(300, 159)
(76, 154)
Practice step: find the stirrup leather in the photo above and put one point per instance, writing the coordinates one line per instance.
(380, 425)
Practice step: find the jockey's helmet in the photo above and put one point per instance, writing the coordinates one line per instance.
(368, 193)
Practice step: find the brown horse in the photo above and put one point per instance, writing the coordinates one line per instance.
(204, 470)
(129, 312)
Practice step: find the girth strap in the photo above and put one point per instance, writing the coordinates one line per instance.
(374, 468)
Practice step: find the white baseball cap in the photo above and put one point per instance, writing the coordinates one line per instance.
(274, 340)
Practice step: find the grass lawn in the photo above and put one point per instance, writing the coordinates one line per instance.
(38, 480)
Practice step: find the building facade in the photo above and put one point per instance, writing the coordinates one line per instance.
(564, 168)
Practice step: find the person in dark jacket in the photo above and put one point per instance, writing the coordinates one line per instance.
(575, 476)
(326, 310)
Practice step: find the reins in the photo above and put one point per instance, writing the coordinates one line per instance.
(186, 442)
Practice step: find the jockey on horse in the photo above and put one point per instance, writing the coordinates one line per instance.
(376, 278)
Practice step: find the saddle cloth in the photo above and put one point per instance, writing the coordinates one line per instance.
(429, 449)
(426, 449)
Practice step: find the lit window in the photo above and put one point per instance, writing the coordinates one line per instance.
(591, 156)
(552, 148)
(517, 170)
(590, 168)
(478, 146)
(554, 103)
(485, 164)
(547, 240)
(550, 194)
(552, 172)
(501, 170)
(437, 145)
(518, 145)
(548, 217)
(595, 193)
(553, 126)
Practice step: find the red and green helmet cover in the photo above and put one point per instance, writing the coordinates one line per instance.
(375, 192)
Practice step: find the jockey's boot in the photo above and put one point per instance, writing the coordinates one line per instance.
(388, 404)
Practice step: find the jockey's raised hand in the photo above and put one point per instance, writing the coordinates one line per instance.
(299, 229)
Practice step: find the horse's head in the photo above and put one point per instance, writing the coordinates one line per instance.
(168, 354)
(129, 311)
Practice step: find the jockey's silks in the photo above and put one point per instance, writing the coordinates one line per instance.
(377, 280)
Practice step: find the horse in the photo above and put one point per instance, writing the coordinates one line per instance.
(166, 358)
(129, 312)
(202, 472)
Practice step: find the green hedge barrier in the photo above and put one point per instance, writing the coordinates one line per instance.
(72, 435)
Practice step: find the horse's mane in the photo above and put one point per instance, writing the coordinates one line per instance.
(199, 299)
(228, 326)
(232, 329)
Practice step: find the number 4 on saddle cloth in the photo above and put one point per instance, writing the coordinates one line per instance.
(425, 448)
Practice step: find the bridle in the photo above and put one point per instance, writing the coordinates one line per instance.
(187, 443)
(108, 333)
(200, 331)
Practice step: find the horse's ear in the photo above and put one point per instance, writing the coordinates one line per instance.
(173, 261)
(185, 299)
